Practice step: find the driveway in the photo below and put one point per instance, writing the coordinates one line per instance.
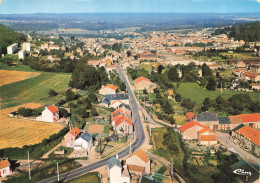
(224, 139)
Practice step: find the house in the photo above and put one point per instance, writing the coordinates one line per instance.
(241, 65)
(50, 114)
(190, 130)
(252, 120)
(189, 116)
(124, 106)
(70, 137)
(170, 94)
(108, 89)
(4, 168)
(123, 97)
(247, 138)
(121, 111)
(250, 76)
(84, 141)
(122, 124)
(117, 173)
(116, 103)
(142, 83)
(225, 123)
(110, 68)
(255, 86)
(207, 138)
(139, 163)
(209, 119)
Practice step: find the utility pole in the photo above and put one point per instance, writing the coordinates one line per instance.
(221, 86)
(172, 168)
(29, 165)
(58, 174)
(150, 125)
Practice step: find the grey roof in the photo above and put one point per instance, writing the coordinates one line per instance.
(238, 127)
(207, 116)
(105, 100)
(119, 96)
(86, 136)
(224, 120)
(124, 105)
(113, 162)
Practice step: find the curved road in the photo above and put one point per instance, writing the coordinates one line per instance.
(139, 140)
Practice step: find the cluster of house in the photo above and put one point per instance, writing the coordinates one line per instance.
(79, 140)
(200, 129)
(21, 54)
(248, 70)
(121, 117)
(136, 164)
(142, 83)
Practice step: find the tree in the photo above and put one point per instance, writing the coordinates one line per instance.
(211, 84)
(52, 93)
(70, 95)
(92, 97)
(204, 108)
(206, 71)
(160, 69)
(172, 120)
(173, 74)
(63, 113)
(24, 111)
(188, 104)
(145, 91)
(128, 53)
(178, 98)
(94, 112)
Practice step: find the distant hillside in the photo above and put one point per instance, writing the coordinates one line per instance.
(247, 32)
(8, 37)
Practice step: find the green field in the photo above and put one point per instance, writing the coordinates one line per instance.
(33, 90)
(19, 67)
(198, 94)
(92, 177)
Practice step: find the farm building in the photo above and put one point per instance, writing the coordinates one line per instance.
(50, 114)
(4, 168)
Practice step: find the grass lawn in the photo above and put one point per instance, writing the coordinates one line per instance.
(19, 67)
(198, 94)
(34, 89)
(92, 177)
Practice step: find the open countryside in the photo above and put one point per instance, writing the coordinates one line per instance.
(17, 132)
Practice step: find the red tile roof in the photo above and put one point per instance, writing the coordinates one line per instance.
(142, 79)
(190, 125)
(190, 115)
(123, 119)
(208, 138)
(245, 118)
(250, 74)
(134, 168)
(75, 131)
(204, 130)
(113, 87)
(234, 119)
(252, 134)
(120, 111)
(53, 109)
(4, 164)
(142, 155)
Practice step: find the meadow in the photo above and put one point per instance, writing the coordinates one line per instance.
(32, 90)
(198, 94)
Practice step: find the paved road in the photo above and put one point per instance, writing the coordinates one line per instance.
(139, 140)
(224, 139)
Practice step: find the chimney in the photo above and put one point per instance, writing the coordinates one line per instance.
(116, 156)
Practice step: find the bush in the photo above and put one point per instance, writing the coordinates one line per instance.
(52, 93)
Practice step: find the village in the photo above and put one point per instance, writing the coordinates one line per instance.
(96, 120)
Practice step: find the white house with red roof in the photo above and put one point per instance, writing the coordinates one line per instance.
(142, 83)
(70, 137)
(122, 124)
(116, 103)
(139, 163)
(108, 89)
(4, 168)
(207, 138)
(49, 114)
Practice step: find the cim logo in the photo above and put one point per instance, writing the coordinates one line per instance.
(241, 172)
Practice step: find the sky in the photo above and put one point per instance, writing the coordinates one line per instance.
(128, 6)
